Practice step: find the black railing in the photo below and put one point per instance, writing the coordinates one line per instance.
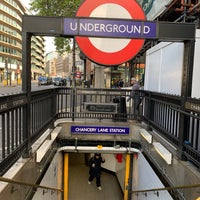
(163, 113)
(180, 126)
(43, 114)
(77, 103)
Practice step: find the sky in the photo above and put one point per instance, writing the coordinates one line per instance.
(49, 44)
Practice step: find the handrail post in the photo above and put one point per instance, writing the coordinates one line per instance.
(26, 88)
(185, 93)
(73, 81)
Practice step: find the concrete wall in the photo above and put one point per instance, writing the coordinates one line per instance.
(53, 179)
(113, 165)
(66, 130)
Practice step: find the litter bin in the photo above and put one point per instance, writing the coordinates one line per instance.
(121, 114)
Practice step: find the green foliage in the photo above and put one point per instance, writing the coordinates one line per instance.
(62, 44)
(65, 8)
(57, 8)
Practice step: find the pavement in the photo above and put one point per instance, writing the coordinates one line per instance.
(15, 88)
(10, 88)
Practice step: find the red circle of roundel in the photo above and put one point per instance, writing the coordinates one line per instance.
(78, 74)
(115, 58)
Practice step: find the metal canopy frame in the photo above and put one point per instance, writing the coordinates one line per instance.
(53, 26)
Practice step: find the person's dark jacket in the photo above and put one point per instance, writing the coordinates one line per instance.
(95, 166)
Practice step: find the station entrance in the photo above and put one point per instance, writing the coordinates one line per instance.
(118, 160)
(53, 26)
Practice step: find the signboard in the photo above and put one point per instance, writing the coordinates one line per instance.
(192, 106)
(113, 130)
(9, 105)
(101, 107)
(78, 75)
(109, 28)
(110, 51)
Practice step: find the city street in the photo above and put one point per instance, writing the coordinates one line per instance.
(15, 89)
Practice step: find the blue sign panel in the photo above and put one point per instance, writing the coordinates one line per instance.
(114, 130)
(109, 28)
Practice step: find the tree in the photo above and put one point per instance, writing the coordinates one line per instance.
(59, 8)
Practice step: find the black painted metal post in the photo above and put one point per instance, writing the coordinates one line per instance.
(185, 92)
(130, 178)
(73, 81)
(26, 88)
(149, 110)
(54, 102)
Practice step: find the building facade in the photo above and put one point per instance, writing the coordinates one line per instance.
(11, 12)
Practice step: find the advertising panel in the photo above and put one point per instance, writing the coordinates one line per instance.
(164, 66)
(196, 70)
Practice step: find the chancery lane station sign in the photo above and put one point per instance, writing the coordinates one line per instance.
(108, 32)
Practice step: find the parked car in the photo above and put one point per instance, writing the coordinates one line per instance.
(43, 80)
(55, 79)
(58, 81)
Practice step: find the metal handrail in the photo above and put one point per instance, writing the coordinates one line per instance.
(7, 180)
(167, 188)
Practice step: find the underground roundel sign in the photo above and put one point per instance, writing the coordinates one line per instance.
(109, 50)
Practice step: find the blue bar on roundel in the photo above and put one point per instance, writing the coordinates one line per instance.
(109, 28)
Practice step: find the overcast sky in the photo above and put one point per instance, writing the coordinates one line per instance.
(25, 3)
(49, 44)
